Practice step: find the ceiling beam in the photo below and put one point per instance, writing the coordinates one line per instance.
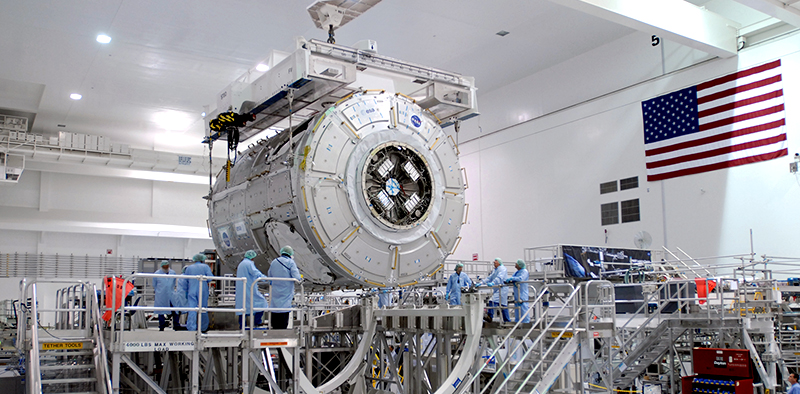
(114, 172)
(674, 20)
(776, 9)
(139, 229)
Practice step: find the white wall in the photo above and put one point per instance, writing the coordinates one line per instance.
(88, 215)
(62, 243)
(542, 145)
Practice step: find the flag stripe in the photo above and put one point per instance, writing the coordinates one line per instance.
(719, 159)
(717, 152)
(715, 138)
(738, 89)
(719, 144)
(741, 96)
(741, 82)
(739, 118)
(773, 102)
(738, 75)
(718, 166)
(740, 103)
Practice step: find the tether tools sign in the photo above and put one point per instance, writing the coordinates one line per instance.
(62, 345)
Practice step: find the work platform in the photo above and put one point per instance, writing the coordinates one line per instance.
(581, 338)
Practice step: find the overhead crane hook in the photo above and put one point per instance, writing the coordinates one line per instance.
(331, 39)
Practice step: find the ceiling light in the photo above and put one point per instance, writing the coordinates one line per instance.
(262, 67)
(203, 114)
(103, 39)
(75, 96)
(502, 33)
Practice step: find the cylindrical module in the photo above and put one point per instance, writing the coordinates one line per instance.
(369, 193)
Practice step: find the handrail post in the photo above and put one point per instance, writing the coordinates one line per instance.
(57, 322)
(94, 319)
(34, 372)
(22, 319)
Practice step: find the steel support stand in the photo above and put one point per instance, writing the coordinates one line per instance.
(115, 361)
(166, 370)
(246, 369)
(671, 363)
(195, 372)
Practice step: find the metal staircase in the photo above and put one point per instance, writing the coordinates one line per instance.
(538, 372)
(552, 349)
(652, 348)
(555, 362)
(644, 343)
(69, 356)
(547, 345)
(67, 370)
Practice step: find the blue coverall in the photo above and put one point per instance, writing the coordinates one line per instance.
(454, 285)
(179, 297)
(282, 291)
(521, 294)
(247, 269)
(383, 298)
(164, 289)
(192, 291)
(499, 295)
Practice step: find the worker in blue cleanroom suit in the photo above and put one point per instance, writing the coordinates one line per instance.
(179, 295)
(455, 284)
(384, 297)
(521, 291)
(164, 289)
(500, 294)
(282, 291)
(247, 269)
(193, 290)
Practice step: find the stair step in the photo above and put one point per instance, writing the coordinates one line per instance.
(76, 392)
(68, 381)
(82, 392)
(70, 366)
(61, 353)
(532, 380)
(518, 383)
(66, 361)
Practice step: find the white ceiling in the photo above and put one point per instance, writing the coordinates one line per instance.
(167, 59)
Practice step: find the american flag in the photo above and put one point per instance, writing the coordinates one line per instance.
(726, 122)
